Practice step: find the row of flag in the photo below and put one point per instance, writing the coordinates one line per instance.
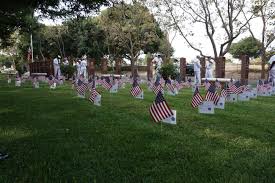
(160, 110)
(230, 88)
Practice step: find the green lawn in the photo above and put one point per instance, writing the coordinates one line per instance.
(52, 136)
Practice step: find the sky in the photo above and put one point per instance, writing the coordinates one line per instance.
(182, 49)
(180, 46)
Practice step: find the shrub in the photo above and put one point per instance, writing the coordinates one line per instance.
(68, 70)
(169, 70)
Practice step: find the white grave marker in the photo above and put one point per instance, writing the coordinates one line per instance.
(207, 107)
(97, 100)
(140, 96)
(114, 88)
(36, 85)
(273, 90)
(172, 119)
(18, 83)
(232, 98)
(221, 103)
(243, 97)
(169, 92)
(53, 86)
(253, 93)
(80, 96)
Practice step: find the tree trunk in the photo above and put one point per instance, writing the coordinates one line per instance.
(134, 71)
(220, 67)
(263, 57)
(133, 68)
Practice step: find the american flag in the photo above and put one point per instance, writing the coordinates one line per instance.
(81, 87)
(35, 82)
(74, 82)
(212, 95)
(120, 83)
(17, 77)
(236, 88)
(105, 83)
(93, 95)
(228, 90)
(150, 84)
(57, 79)
(160, 110)
(157, 86)
(169, 85)
(230, 82)
(50, 80)
(29, 55)
(135, 90)
(245, 88)
(207, 84)
(189, 82)
(91, 84)
(179, 85)
(99, 81)
(223, 93)
(197, 98)
(267, 85)
(260, 85)
(218, 84)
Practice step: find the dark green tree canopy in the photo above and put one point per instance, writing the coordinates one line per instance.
(247, 46)
(131, 28)
(15, 14)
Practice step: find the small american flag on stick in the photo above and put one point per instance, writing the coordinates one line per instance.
(50, 80)
(157, 87)
(169, 85)
(218, 84)
(236, 88)
(135, 90)
(81, 87)
(93, 95)
(197, 98)
(206, 84)
(160, 110)
(105, 83)
(212, 95)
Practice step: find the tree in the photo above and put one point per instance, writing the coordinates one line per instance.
(131, 30)
(223, 21)
(247, 46)
(83, 36)
(264, 9)
(14, 14)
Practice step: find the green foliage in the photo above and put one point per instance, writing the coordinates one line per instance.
(19, 66)
(85, 36)
(74, 38)
(16, 14)
(4, 58)
(7, 63)
(67, 70)
(247, 46)
(130, 28)
(169, 70)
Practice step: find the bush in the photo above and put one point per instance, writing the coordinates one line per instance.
(68, 70)
(20, 68)
(7, 63)
(247, 46)
(169, 70)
